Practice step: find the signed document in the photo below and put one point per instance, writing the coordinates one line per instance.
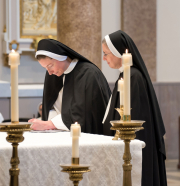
(47, 131)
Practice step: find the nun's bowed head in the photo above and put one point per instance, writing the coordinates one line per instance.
(50, 49)
(57, 50)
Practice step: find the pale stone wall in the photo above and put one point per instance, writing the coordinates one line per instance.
(139, 22)
(79, 27)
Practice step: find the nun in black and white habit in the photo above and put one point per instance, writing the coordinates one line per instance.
(79, 93)
(144, 107)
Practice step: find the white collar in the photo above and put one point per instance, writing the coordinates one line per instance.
(71, 66)
(121, 69)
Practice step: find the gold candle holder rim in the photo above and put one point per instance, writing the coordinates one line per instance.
(24, 126)
(120, 123)
(15, 123)
(75, 172)
(71, 166)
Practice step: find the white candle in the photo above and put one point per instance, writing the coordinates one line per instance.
(127, 62)
(75, 133)
(14, 61)
(120, 89)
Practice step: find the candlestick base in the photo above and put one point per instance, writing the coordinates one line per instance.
(127, 130)
(75, 172)
(15, 135)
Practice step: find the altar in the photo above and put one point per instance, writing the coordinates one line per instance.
(41, 154)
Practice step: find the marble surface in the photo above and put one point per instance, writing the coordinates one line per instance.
(5, 89)
(79, 27)
(24, 90)
(30, 90)
(173, 174)
(29, 98)
(139, 22)
(168, 95)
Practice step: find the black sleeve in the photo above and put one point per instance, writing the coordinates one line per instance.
(96, 103)
(85, 101)
(140, 106)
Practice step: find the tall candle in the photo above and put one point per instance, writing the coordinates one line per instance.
(14, 61)
(120, 89)
(127, 62)
(75, 133)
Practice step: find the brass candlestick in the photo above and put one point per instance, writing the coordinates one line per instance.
(75, 170)
(121, 113)
(127, 129)
(14, 136)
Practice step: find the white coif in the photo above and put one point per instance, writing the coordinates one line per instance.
(51, 55)
(111, 47)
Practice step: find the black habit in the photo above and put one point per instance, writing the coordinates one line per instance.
(85, 92)
(144, 107)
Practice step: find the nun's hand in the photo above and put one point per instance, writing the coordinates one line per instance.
(41, 125)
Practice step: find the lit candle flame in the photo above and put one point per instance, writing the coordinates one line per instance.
(121, 78)
(12, 50)
(126, 51)
(76, 122)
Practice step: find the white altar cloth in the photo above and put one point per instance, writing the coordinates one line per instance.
(41, 154)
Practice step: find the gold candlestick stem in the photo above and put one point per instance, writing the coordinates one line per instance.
(127, 166)
(14, 170)
(15, 136)
(127, 131)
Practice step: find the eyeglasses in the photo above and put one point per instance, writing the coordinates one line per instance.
(49, 66)
(106, 54)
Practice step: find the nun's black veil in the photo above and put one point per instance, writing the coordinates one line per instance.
(52, 84)
(121, 42)
(83, 87)
(59, 48)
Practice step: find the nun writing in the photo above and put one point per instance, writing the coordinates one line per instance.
(144, 107)
(75, 90)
